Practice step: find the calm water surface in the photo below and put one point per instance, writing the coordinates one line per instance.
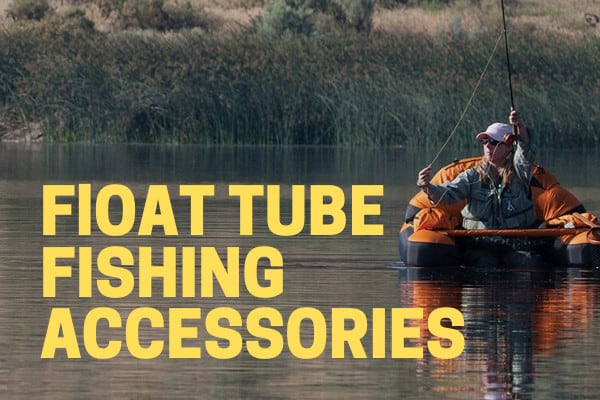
(528, 334)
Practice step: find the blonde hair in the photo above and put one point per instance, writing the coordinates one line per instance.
(505, 172)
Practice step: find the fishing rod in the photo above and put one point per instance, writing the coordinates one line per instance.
(512, 100)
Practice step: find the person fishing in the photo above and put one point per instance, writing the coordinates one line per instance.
(498, 194)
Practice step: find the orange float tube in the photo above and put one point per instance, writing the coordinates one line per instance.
(423, 241)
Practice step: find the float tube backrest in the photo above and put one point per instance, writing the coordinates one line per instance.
(551, 200)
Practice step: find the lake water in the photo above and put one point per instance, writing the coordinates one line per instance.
(527, 334)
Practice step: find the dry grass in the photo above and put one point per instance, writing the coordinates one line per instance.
(232, 18)
(229, 14)
(3, 7)
(560, 16)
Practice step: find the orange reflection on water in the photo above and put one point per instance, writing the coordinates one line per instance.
(560, 312)
(509, 321)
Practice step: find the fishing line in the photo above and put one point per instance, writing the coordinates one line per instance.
(462, 115)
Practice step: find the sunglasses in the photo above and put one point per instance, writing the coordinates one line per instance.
(492, 142)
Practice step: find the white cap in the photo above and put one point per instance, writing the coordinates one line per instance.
(497, 131)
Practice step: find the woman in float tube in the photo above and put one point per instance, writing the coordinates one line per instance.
(498, 194)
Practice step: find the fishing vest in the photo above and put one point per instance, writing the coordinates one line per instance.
(497, 207)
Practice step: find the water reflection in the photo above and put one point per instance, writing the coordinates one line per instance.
(515, 323)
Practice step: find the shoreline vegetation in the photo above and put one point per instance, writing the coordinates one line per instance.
(312, 72)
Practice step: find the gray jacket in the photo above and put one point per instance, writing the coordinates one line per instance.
(489, 205)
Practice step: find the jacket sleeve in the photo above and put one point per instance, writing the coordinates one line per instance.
(524, 159)
(452, 192)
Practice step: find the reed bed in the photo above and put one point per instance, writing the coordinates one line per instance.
(381, 89)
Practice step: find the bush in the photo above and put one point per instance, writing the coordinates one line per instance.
(74, 22)
(28, 9)
(282, 19)
(358, 13)
(160, 15)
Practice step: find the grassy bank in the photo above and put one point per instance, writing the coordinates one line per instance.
(386, 88)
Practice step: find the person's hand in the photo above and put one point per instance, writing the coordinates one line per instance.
(515, 118)
(424, 177)
(521, 130)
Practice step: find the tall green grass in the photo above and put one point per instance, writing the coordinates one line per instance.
(350, 89)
